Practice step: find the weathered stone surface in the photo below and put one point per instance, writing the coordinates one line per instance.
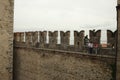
(6, 39)
(43, 38)
(28, 39)
(111, 38)
(118, 42)
(65, 39)
(34, 38)
(79, 40)
(118, 1)
(38, 40)
(22, 37)
(53, 39)
(95, 36)
(36, 64)
(17, 37)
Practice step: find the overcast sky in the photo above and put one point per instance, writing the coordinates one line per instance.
(64, 14)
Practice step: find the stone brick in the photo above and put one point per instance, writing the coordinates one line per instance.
(111, 38)
(34, 38)
(28, 39)
(6, 39)
(79, 40)
(43, 38)
(53, 39)
(46, 64)
(95, 36)
(65, 39)
(22, 37)
(17, 37)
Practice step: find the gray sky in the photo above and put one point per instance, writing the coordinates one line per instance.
(64, 14)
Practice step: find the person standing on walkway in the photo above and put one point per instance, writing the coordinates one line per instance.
(86, 41)
(90, 45)
(95, 48)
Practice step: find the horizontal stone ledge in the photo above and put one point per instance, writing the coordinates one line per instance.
(68, 52)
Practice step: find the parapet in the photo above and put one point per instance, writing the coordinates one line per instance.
(65, 39)
(79, 34)
(17, 37)
(53, 34)
(42, 38)
(21, 36)
(34, 38)
(111, 38)
(28, 39)
(53, 39)
(38, 39)
(78, 40)
(64, 34)
(95, 36)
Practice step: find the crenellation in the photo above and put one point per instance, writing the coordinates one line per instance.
(38, 58)
(111, 38)
(28, 38)
(39, 39)
(54, 33)
(65, 39)
(53, 39)
(95, 36)
(17, 37)
(22, 37)
(79, 40)
(34, 38)
(42, 38)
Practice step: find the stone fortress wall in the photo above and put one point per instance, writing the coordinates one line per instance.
(38, 39)
(34, 59)
(46, 64)
(49, 64)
